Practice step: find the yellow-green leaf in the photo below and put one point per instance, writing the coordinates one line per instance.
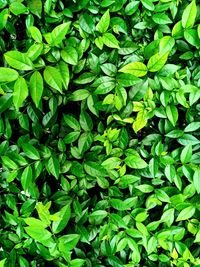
(157, 61)
(189, 15)
(140, 121)
(104, 22)
(138, 69)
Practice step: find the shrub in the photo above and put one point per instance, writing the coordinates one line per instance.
(99, 133)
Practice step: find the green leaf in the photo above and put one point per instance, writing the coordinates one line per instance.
(26, 178)
(166, 44)
(161, 18)
(54, 166)
(148, 4)
(136, 68)
(20, 92)
(94, 169)
(64, 71)
(86, 121)
(35, 6)
(172, 114)
(35, 34)
(196, 180)
(145, 188)
(132, 7)
(186, 154)
(59, 32)
(38, 233)
(2, 262)
(87, 23)
(110, 40)
(70, 55)
(31, 152)
(189, 15)
(104, 22)
(17, 8)
(97, 216)
(9, 163)
(35, 222)
(68, 242)
(79, 95)
(64, 214)
(53, 78)
(18, 60)
(36, 87)
(5, 102)
(186, 213)
(191, 127)
(135, 162)
(4, 15)
(157, 61)
(72, 122)
(8, 75)
(140, 121)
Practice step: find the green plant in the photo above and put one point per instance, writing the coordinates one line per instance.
(99, 133)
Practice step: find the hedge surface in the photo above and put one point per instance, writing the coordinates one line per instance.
(99, 133)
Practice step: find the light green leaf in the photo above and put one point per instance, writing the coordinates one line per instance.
(186, 154)
(64, 214)
(18, 60)
(186, 213)
(68, 242)
(140, 121)
(8, 75)
(104, 22)
(193, 126)
(53, 78)
(110, 40)
(148, 4)
(189, 15)
(58, 34)
(138, 69)
(166, 44)
(196, 180)
(36, 87)
(145, 188)
(20, 92)
(35, 34)
(157, 61)
(31, 221)
(135, 162)
(35, 6)
(79, 95)
(17, 8)
(70, 55)
(2, 262)
(39, 234)
(161, 18)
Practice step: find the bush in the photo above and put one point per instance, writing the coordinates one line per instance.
(99, 131)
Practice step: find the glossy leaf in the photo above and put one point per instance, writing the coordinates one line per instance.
(36, 87)
(136, 68)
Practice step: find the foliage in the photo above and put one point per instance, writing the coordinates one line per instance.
(99, 131)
